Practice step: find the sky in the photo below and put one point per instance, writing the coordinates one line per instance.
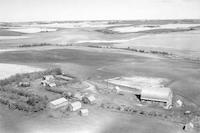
(51, 10)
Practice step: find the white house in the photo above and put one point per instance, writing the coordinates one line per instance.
(74, 106)
(58, 103)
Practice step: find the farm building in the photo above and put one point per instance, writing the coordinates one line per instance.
(47, 83)
(188, 126)
(48, 77)
(77, 96)
(61, 102)
(146, 89)
(64, 77)
(74, 106)
(51, 84)
(84, 112)
(158, 94)
(24, 84)
(89, 99)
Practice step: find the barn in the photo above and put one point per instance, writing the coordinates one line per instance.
(58, 103)
(158, 94)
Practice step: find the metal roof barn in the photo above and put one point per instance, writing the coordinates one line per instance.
(161, 94)
(58, 103)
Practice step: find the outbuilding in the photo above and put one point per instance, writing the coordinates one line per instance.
(77, 96)
(74, 106)
(58, 103)
(188, 126)
(84, 112)
(48, 77)
(24, 84)
(90, 99)
(158, 94)
(51, 84)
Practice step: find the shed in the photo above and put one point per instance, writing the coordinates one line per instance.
(47, 83)
(89, 99)
(51, 84)
(78, 96)
(84, 112)
(63, 77)
(61, 102)
(160, 94)
(24, 84)
(74, 106)
(188, 126)
(179, 103)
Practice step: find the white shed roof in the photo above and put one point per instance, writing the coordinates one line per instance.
(156, 93)
(58, 101)
(76, 104)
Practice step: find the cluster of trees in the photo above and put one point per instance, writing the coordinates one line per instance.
(30, 76)
(23, 99)
(100, 46)
(34, 45)
(152, 51)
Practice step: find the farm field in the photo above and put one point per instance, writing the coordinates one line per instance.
(89, 54)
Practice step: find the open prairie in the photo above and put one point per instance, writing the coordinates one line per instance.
(91, 51)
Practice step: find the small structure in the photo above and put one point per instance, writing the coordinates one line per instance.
(188, 126)
(47, 83)
(67, 94)
(48, 77)
(157, 94)
(51, 84)
(179, 103)
(74, 106)
(24, 84)
(78, 96)
(84, 112)
(89, 99)
(63, 77)
(58, 103)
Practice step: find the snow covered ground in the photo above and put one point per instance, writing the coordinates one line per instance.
(32, 30)
(152, 27)
(7, 70)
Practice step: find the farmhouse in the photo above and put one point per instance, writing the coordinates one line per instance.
(74, 106)
(163, 95)
(48, 77)
(58, 103)
(47, 83)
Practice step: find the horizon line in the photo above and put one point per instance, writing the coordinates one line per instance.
(89, 20)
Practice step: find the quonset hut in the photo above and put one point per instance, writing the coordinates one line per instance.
(163, 95)
(146, 89)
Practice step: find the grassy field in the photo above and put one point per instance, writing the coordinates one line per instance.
(99, 64)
